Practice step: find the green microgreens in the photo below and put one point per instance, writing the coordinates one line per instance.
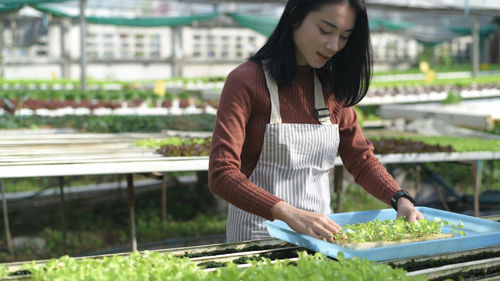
(393, 230)
(153, 143)
(157, 266)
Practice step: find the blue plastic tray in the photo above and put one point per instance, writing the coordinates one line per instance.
(480, 233)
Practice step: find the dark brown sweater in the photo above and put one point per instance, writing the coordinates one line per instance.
(242, 115)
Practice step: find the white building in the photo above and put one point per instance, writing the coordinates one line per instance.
(138, 53)
(132, 53)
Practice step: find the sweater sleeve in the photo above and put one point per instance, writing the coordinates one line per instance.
(358, 158)
(225, 176)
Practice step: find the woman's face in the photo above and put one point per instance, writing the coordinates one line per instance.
(323, 33)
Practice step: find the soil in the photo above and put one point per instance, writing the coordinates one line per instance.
(368, 245)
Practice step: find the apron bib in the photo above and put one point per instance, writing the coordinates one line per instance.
(293, 165)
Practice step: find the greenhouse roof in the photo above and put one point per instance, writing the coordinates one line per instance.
(428, 21)
(478, 6)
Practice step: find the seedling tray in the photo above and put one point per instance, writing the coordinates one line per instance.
(480, 233)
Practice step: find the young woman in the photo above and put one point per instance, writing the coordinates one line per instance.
(285, 114)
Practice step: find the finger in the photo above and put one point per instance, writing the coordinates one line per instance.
(333, 226)
(320, 236)
(332, 231)
(420, 216)
(412, 216)
(326, 228)
(323, 234)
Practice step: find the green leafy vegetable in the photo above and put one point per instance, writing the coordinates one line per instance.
(457, 144)
(393, 230)
(176, 141)
(158, 266)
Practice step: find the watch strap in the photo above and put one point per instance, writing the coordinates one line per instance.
(399, 194)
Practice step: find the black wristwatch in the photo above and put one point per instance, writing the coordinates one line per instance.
(402, 193)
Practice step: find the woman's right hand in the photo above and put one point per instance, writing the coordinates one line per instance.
(309, 223)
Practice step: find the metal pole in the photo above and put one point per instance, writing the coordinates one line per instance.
(177, 52)
(475, 46)
(63, 216)
(418, 170)
(477, 172)
(8, 237)
(164, 199)
(1, 48)
(131, 206)
(65, 56)
(174, 51)
(180, 52)
(83, 37)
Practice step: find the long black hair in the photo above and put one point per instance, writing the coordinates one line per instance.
(348, 72)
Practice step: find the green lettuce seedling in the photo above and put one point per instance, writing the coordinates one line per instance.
(157, 266)
(394, 230)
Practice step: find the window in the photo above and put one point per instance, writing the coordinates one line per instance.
(108, 54)
(92, 54)
(41, 53)
(154, 43)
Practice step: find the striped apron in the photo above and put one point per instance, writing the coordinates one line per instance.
(293, 165)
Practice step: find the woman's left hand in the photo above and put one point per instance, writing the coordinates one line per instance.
(407, 209)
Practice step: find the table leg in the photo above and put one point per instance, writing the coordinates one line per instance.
(164, 199)
(477, 172)
(62, 212)
(418, 171)
(131, 206)
(8, 237)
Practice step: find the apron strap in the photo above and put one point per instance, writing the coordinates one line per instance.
(275, 102)
(322, 112)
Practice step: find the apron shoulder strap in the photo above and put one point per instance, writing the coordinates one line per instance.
(322, 111)
(275, 101)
